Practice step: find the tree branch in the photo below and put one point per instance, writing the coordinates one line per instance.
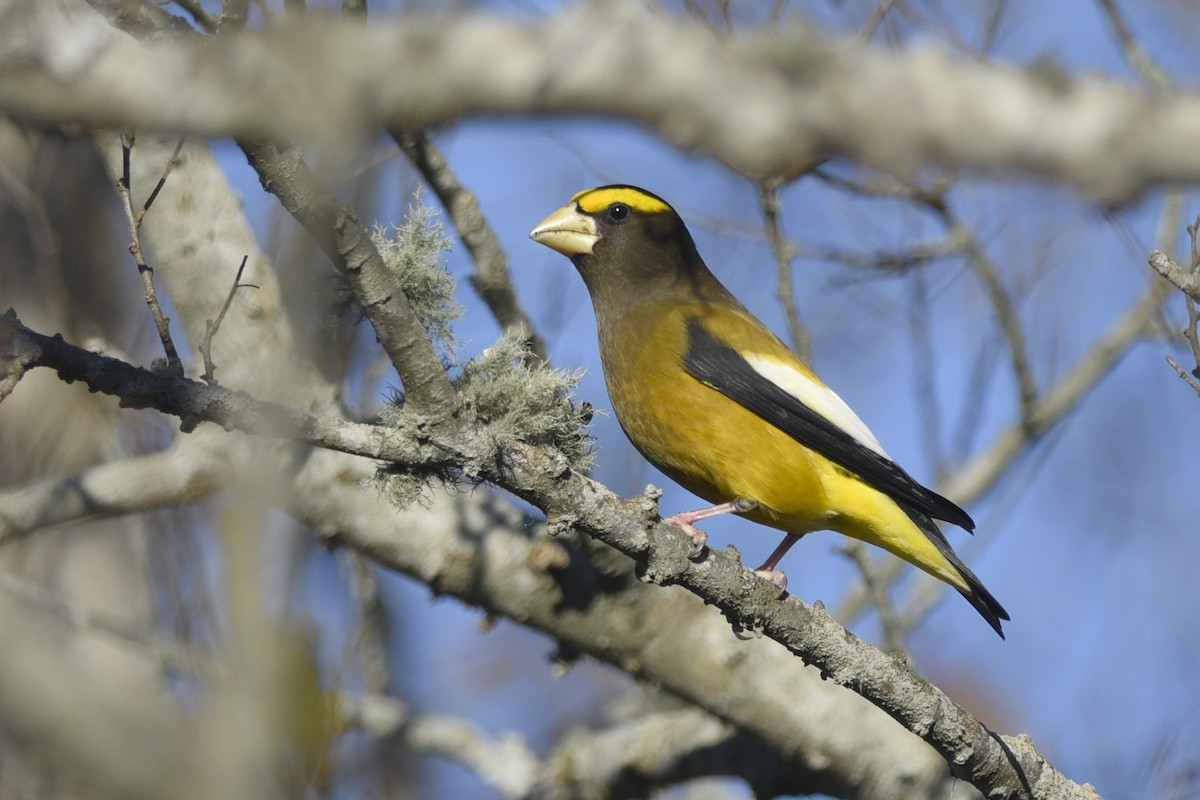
(340, 234)
(769, 105)
(1000, 766)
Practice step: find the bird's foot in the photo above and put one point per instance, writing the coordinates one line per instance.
(775, 576)
(699, 538)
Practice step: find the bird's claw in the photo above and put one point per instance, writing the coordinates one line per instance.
(699, 538)
(775, 576)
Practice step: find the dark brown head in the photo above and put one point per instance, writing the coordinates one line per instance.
(627, 244)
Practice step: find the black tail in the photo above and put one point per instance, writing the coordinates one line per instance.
(980, 598)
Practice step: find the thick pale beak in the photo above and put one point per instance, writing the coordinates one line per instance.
(568, 231)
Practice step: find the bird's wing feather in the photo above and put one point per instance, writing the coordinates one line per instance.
(813, 415)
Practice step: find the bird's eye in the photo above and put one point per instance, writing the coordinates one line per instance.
(618, 212)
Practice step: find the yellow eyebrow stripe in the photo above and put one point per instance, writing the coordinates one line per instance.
(592, 201)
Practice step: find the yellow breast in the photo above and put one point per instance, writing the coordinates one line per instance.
(701, 439)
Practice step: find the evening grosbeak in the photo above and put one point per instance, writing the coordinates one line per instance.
(718, 403)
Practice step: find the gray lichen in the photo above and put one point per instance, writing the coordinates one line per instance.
(412, 252)
(528, 404)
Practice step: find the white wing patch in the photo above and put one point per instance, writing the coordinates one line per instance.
(820, 399)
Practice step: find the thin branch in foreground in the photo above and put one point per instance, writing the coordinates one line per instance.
(212, 326)
(161, 322)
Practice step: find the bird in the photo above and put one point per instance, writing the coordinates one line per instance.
(719, 404)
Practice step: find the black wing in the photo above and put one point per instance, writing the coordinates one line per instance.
(719, 366)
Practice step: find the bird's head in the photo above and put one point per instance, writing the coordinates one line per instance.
(621, 235)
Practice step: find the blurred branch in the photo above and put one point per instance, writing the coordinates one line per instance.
(336, 79)
(627, 759)
(915, 255)
(667, 747)
(189, 471)
(505, 763)
(36, 599)
(372, 639)
(979, 474)
(785, 254)
(117, 740)
(877, 587)
(491, 280)
(1135, 54)
(1002, 306)
(998, 765)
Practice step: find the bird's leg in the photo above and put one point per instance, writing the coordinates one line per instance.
(768, 571)
(684, 519)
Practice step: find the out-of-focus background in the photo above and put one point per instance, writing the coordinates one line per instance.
(933, 303)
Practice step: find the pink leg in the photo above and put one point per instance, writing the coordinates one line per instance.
(684, 520)
(768, 571)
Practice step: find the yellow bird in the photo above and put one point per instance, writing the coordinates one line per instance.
(717, 402)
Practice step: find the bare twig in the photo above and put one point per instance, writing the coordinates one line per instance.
(1135, 54)
(161, 322)
(924, 362)
(1188, 282)
(1190, 378)
(170, 165)
(877, 586)
(212, 326)
(1002, 306)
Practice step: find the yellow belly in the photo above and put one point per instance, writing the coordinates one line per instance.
(697, 436)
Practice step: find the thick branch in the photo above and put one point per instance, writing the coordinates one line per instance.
(768, 105)
(1002, 767)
